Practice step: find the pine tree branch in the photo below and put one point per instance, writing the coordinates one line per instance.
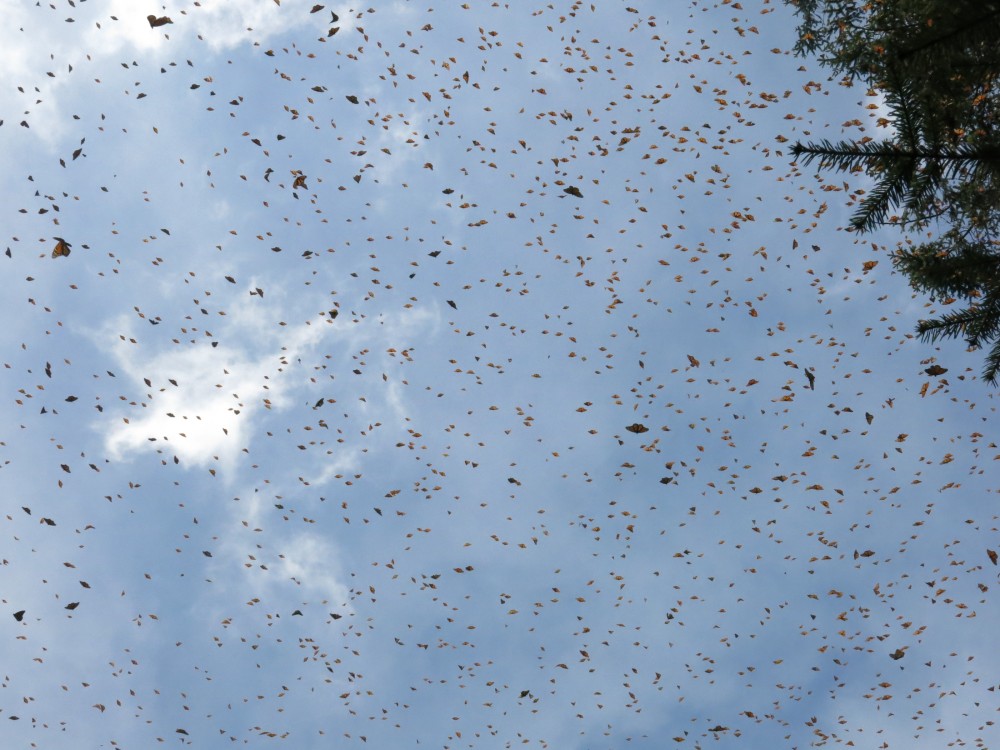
(975, 24)
(991, 371)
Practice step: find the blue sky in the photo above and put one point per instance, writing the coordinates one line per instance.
(423, 521)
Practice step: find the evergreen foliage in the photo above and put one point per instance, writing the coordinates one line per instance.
(937, 66)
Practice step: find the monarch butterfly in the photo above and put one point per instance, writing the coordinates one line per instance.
(637, 428)
(61, 248)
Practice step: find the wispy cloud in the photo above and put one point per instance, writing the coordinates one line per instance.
(207, 418)
(202, 403)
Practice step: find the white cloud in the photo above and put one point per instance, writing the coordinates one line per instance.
(210, 415)
(207, 418)
(311, 562)
(222, 24)
(101, 31)
(228, 23)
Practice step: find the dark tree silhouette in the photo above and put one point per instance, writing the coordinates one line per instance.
(937, 66)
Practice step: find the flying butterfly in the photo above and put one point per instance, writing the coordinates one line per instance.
(62, 248)
(637, 428)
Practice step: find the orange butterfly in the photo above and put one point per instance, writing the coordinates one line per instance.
(637, 428)
(61, 248)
